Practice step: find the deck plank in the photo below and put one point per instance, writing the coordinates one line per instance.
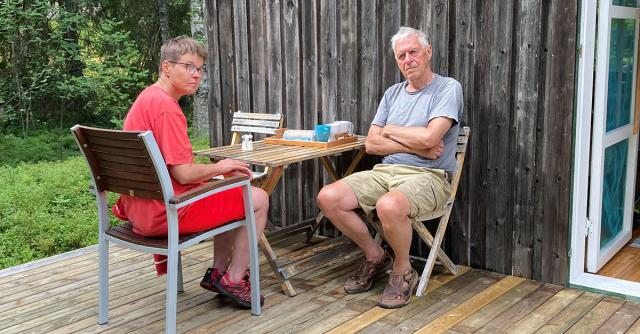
(596, 316)
(444, 305)
(521, 309)
(367, 318)
(387, 322)
(61, 297)
(487, 313)
(328, 281)
(84, 293)
(536, 319)
(561, 322)
(621, 262)
(460, 312)
(152, 314)
(622, 319)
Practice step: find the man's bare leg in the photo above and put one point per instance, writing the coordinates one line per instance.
(393, 210)
(338, 202)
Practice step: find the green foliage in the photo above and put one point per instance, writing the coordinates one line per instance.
(77, 61)
(61, 63)
(45, 209)
(40, 146)
(114, 74)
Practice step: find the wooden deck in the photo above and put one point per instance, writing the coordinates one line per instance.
(61, 297)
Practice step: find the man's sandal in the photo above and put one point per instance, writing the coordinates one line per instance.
(399, 289)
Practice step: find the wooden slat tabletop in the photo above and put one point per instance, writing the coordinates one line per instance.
(272, 155)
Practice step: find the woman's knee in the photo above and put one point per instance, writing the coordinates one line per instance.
(260, 199)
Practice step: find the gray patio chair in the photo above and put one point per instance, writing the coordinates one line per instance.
(130, 163)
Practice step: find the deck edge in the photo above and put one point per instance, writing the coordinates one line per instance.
(47, 260)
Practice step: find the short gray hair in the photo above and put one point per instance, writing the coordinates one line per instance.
(405, 32)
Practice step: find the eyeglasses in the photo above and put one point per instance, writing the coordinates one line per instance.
(190, 68)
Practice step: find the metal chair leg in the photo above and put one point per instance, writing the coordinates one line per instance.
(180, 285)
(103, 281)
(172, 293)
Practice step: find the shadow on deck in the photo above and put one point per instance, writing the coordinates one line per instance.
(60, 296)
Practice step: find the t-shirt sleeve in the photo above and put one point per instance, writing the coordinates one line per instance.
(449, 102)
(383, 112)
(170, 131)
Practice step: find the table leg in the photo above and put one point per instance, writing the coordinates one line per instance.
(273, 177)
(334, 177)
(285, 285)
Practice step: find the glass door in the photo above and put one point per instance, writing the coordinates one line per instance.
(614, 137)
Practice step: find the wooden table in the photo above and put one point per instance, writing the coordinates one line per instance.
(276, 158)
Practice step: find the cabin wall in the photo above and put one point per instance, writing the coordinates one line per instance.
(322, 60)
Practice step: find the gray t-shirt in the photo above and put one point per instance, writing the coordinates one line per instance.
(441, 98)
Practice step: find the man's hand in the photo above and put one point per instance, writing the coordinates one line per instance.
(230, 167)
(431, 153)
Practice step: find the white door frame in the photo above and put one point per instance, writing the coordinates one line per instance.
(577, 274)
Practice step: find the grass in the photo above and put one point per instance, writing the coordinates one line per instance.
(45, 206)
(41, 146)
(45, 209)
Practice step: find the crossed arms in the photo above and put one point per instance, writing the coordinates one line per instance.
(423, 141)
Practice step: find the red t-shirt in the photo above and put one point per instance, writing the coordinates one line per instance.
(157, 111)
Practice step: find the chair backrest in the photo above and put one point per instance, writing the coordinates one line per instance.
(461, 151)
(125, 162)
(254, 123)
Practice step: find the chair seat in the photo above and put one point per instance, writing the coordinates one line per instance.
(125, 232)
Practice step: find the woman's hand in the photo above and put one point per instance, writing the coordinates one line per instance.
(231, 167)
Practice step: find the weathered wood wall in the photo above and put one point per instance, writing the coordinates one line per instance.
(323, 60)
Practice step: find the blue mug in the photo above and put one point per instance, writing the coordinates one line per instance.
(322, 132)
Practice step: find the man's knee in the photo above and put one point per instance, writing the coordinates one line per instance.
(328, 197)
(335, 196)
(393, 204)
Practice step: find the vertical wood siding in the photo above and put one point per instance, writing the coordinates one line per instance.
(322, 60)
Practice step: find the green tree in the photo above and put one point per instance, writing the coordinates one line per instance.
(71, 61)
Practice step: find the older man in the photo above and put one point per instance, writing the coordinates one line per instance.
(415, 129)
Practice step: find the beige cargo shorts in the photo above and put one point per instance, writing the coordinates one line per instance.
(427, 189)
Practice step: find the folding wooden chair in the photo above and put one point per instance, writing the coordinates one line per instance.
(443, 213)
(247, 122)
(130, 163)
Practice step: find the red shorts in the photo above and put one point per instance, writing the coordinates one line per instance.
(212, 211)
(149, 217)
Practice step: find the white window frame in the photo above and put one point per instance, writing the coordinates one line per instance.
(578, 276)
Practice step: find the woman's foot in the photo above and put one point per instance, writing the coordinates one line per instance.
(210, 278)
(238, 292)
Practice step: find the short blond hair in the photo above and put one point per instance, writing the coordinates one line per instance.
(176, 47)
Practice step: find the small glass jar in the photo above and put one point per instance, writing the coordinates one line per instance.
(247, 142)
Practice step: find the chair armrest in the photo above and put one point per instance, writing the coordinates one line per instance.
(207, 187)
